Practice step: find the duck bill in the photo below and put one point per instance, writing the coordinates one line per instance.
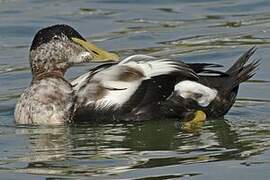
(99, 55)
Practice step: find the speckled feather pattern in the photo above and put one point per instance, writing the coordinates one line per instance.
(55, 55)
(50, 98)
(46, 101)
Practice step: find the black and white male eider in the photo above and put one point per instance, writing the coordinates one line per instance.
(50, 98)
(142, 87)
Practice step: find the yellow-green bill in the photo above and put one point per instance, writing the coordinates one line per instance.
(99, 54)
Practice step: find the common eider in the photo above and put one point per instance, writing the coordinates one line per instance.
(50, 98)
(142, 88)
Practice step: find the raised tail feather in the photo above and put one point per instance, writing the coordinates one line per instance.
(247, 72)
(242, 71)
(239, 64)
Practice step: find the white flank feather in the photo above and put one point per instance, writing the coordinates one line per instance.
(150, 69)
(191, 89)
(117, 98)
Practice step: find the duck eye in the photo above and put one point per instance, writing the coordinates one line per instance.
(56, 37)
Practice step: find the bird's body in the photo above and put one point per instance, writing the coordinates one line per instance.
(127, 91)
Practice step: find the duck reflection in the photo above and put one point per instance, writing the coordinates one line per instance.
(47, 143)
(114, 148)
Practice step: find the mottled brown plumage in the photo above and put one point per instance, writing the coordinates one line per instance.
(47, 101)
(50, 98)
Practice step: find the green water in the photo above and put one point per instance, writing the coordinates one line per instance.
(237, 147)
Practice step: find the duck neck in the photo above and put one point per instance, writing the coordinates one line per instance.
(52, 74)
(48, 60)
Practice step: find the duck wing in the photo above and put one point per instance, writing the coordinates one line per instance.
(117, 89)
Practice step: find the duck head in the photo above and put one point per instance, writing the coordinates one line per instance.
(56, 48)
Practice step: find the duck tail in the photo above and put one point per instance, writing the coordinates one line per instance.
(241, 70)
(238, 65)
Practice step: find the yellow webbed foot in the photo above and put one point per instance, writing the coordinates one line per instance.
(195, 122)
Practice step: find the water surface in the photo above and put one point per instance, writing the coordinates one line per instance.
(236, 147)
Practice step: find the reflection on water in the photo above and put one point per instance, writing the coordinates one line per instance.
(116, 149)
(193, 31)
